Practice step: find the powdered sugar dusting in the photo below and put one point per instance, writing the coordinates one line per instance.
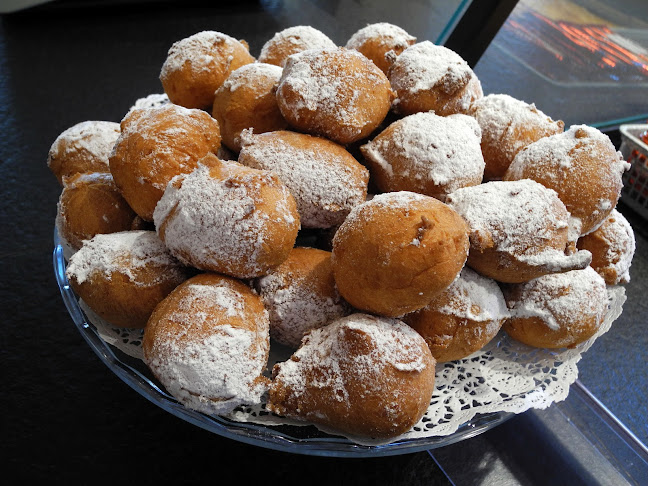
(159, 129)
(387, 34)
(475, 297)
(555, 298)
(561, 159)
(154, 100)
(95, 138)
(296, 39)
(522, 218)
(325, 185)
(221, 296)
(319, 85)
(296, 305)
(216, 221)
(123, 252)
(425, 66)
(391, 344)
(618, 246)
(246, 74)
(501, 117)
(198, 52)
(425, 147)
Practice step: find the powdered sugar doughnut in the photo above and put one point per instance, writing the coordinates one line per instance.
(463, 318)
(154, 100)
(84, 147)
(365, 377)
(376, 40)
(518, 230)
(123, 276)
(426, 153)
(394, 253)
(430, 77)
(208, 343)
(155, 145)
(291, 41)
(247, 100)
(582, 166)
(300, 295)
(91, 204)
(196, 66)
(612, 246)
(508, 125)
(227, 218)
(336, 93)
(558, 310)
(325, 180)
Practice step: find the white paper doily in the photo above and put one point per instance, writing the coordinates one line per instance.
(504, 376)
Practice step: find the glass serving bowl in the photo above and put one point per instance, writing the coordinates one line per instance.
(287, 438)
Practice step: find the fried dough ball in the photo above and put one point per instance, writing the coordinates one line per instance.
(300, 295)
(247, 100)
(91, 204)
(154, 100)
(198, 65)
(508, 125)
(208, 344)
(582, 166)
(430, 77)
(394, 253)
(325, 180)
(84, 147)
(155, 145)
(463, 318)
(376, 40)
(558, 310)
(612, 246)
(426, 153)
(336, 93)
(365, 377)
(291, 41)
(518, 230)
(228, 218)
(123, 276)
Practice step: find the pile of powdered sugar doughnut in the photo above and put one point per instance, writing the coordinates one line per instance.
(435, 215)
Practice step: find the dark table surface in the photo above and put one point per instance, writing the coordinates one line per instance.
(66, 417)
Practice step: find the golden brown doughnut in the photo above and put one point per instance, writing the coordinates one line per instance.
(508, 125)
(84, 147)
(155, 145)
(91, 204)
(247, 100)
(612, 246)
(336, 93)
(227, 218)
(362, 376)
(325, 180)
(394, 253)
(376, 40)
(196, 67)
(291, 41)
(582, 166)
(426, 153)
(300, 295)
(430, 77)
(123, 276)
(518, 230)
(557, 310)
(463, 318)
(208, 343)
